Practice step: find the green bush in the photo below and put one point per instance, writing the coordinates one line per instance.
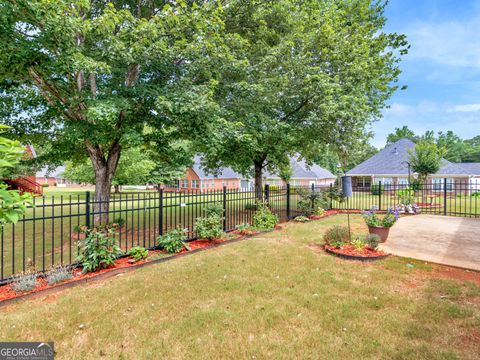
(311, 201)
(476, 194)
(215, 209)
(45, 185)
(406, 196)
(372, 241)
(250, 206)
(416, 185)
(377, 189)
(173, 241)
(264, 219)
(336, 236)
(99, 249)
(210, 227)
(138, 253)
(58, 274)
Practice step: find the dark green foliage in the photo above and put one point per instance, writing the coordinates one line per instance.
(376, 189)
(99, 249)
(138, 253)
(336, 236)
(264, 219)
(211, 226)
(311, 201)
(173, 241)
(416, 184)
(250, 206)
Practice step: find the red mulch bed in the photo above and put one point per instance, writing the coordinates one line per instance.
(6, 292)
(349, 250)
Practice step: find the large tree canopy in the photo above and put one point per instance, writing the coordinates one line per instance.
(302, 75)
(84, 76)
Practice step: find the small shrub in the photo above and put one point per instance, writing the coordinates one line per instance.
(320, 211)
(173, 241)
(250, 206)
(377, 189)
(358, 243)
(24, 282)
(99, 249)
(215, 209)
(138, 253)
(336, 236)
(406, 196)
(301, 219)
(58, 274)
(264, 219)
(416, 185)
(311, 200)
(372, 241)
(476, 194)
(45, 185)
(209, 227)
(243, 227)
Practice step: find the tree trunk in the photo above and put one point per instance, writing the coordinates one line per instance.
(104, 171)
(258, 166)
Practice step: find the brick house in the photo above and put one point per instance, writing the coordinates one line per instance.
(390, 166)
(196, 178)
(53, 177)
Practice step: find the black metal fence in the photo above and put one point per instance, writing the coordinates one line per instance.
(449, 197)
(48, 233)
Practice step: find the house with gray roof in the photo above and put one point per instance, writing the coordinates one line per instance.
(390, 166)
(196, 178)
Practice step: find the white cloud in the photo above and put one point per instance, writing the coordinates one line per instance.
(462, 119)
(451, 43)
(466, 108)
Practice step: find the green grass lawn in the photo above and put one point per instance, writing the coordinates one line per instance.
(273, 296)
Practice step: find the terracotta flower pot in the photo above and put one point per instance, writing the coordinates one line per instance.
(380, 231)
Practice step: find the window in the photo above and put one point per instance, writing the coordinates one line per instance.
(195, 184)
(364, 181)
(437, 184)
(402, 183)
(184, 183)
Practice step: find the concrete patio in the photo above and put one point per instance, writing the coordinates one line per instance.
(445, 240)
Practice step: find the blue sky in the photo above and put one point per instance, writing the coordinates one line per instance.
(442, 69)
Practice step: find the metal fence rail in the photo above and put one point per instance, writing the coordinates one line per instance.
(446, 197)
(48, 233)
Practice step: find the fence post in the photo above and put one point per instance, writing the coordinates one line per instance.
(87, 209)
(445, 196)
(160, 213)
(224, 208)
(288, 201)
(380, 195)
(331, 196)
(267, 192)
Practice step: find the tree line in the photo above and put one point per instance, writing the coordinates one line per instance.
(245, 83)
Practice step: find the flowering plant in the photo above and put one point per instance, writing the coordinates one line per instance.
(372, 219)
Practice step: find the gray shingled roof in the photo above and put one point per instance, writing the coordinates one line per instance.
(300, 170)
(471, 168)
(224, 173)
(392, 161)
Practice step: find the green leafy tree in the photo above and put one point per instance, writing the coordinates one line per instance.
(426, 159)
(472, 150)
(454, 146)
(402, 133)
(134, 168)
(12, 203)
(301, 75)
(89, 73)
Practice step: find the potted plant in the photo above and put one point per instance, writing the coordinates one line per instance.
(380, 226)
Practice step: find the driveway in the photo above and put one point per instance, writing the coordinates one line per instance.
(440, 239)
